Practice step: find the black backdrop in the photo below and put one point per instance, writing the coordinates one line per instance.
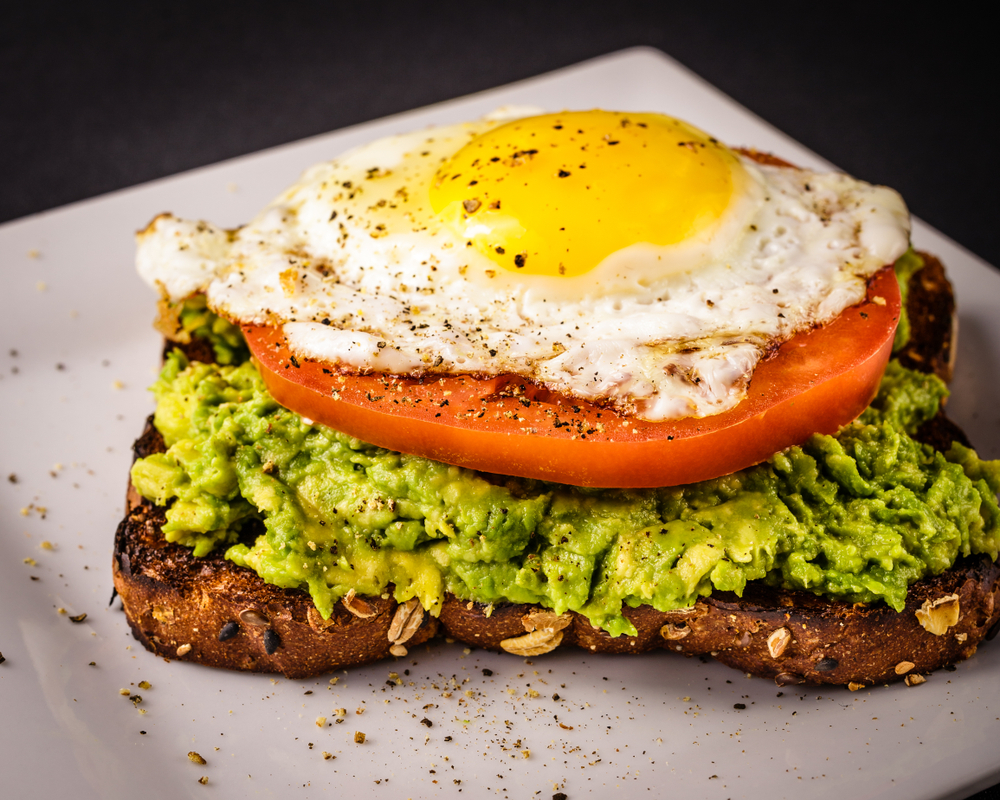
(98, 96)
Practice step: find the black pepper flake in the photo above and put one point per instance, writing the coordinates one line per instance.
(271, 642)
(12, 478)
(500, 250)
(561, 795)
(294, 361)
(2, 659)
(333, 216)
(426, 722)
(78, 618)
(487, 672)
(447, 738)
(739, 706)
(520, 259)
(228, 631)
(564, 173)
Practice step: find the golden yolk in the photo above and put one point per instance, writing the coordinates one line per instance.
(556, 194)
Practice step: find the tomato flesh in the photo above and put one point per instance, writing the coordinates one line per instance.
(815, 383)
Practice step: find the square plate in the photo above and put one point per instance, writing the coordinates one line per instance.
(78, 352)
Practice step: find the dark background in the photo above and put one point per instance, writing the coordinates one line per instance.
(99, 96)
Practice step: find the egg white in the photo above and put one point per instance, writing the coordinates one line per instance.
(354, 264)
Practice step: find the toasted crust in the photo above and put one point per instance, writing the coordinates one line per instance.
(213, 612)
(931, 307)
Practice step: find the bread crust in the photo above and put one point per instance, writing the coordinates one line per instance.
(210, 611)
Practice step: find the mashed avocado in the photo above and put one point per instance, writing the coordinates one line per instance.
(906, 265)
(857, 516)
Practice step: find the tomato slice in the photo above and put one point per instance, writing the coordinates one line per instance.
(816, 382)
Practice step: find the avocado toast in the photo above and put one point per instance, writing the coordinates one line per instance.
(209, 609)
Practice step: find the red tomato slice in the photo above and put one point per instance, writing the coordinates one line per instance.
(815, 383)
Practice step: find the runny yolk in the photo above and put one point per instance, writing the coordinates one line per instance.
(556, 194)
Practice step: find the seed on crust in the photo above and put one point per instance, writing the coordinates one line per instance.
(398, 650)
(673, 631)
(358, 607)
(406, 621)
(778, 641)
(316, 621)
(183, 650)
(904, 666)
(541, 620)
(271, 641)
(251, 616)
(535, 643)
(827, 665)
(914, 680)
(936, 616)
(788, 678)
(228, 631)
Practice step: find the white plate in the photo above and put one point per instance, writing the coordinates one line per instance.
(79, 320)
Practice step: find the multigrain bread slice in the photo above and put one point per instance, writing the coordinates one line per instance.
(213, 612)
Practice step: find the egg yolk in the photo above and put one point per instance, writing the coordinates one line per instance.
(556, 194)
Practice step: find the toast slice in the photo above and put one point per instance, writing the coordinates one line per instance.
(212, 612)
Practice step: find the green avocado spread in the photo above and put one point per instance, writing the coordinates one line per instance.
(858, 516)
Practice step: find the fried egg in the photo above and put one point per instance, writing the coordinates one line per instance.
(628, 259)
